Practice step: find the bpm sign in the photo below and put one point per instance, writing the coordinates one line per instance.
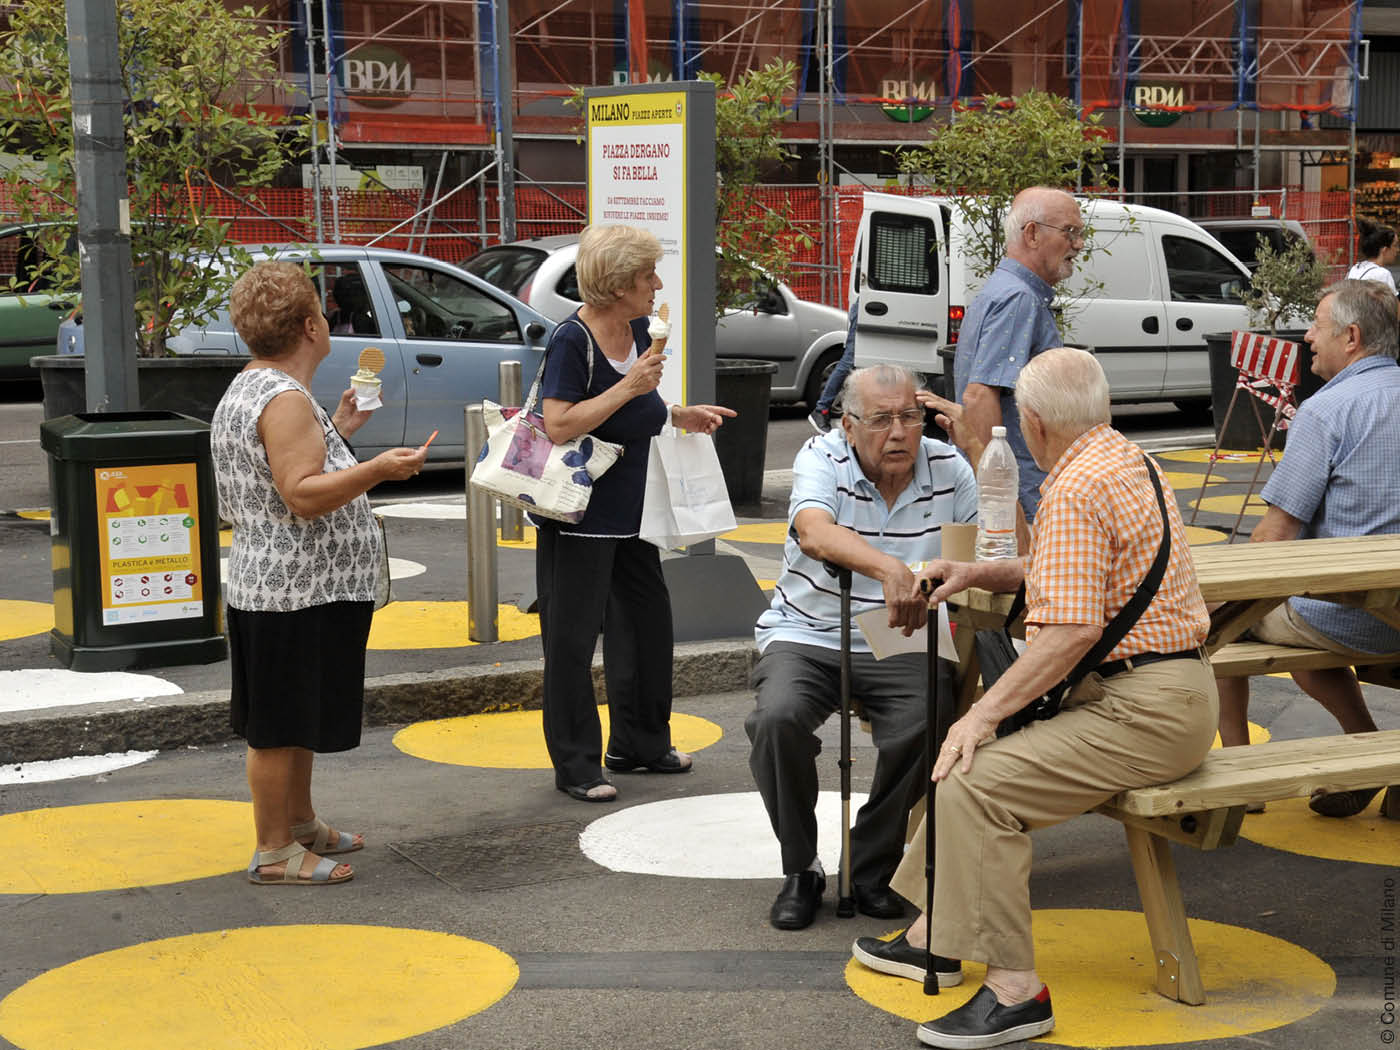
(1148, 96)
(377, 76)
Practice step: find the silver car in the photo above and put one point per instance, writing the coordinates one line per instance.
(443, 333)
(803, 339)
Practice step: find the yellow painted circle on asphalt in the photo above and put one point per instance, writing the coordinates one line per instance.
(1101, 970)
(759, 532)
(1230, 504)
(1202, 455)
(442, 625)
(1183, 482)
(261, 988)
(1197, 536)
(1257, 735)
(118, 845)
(1289, 825)
(515, 739)
(19, 619)
(527, 544)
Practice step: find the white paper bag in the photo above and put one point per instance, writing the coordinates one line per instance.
(686, 500)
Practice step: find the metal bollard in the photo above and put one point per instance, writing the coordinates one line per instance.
(481, 539)
(512, 518)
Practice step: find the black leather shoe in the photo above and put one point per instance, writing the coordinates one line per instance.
(982, 1021)
(671, 762)
(878, 901)
(797, 901)
(899, 958)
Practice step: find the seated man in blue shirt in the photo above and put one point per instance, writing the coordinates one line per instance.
(872, 496)
(1338, 477)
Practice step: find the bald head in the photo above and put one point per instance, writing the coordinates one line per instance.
(1044, 232)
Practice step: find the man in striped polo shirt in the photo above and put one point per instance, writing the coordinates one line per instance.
(1338, 477)
(871, 496)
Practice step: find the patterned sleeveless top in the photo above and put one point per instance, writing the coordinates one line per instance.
(280, 562)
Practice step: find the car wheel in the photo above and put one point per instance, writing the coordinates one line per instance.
(1197, 409)
(821, 372)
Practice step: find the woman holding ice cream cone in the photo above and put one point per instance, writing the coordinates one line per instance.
(302, 569)
(600, 377)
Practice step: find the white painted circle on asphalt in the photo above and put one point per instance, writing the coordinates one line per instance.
(707, 836)
(33, 689)
(432, 511)
(71, 768)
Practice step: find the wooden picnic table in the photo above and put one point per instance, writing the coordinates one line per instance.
(1253, 578)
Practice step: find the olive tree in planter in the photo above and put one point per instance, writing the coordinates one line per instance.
(192, 72)
(983, 157)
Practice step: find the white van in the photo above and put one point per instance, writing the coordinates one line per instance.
(1165, 284)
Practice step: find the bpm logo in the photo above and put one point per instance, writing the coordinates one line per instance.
(1146, 96)
(377, 76)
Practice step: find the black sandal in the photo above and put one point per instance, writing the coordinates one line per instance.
(581, 791)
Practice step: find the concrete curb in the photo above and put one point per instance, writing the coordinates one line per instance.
(189, 719)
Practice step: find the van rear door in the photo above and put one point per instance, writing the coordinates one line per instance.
(901, 277)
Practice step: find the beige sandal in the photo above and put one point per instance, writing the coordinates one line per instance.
(293, 854)
(315, 835)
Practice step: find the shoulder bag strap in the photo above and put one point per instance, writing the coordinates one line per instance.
(539, 374)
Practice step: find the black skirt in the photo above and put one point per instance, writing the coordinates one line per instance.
(299, 677)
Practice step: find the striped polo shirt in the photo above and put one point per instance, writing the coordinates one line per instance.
(1339, 476)
(826, 475)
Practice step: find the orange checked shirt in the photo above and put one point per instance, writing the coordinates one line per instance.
(1096, 534)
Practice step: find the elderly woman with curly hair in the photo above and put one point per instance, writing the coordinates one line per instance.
(302, 569)
(597, 576)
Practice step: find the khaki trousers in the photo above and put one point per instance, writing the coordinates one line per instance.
(1146, 726)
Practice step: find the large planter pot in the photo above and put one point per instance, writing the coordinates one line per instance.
(744, 386)
(189, 385)
(1243, 430)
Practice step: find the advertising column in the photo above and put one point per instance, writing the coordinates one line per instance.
(651, 165)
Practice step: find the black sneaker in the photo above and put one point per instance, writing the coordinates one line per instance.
(899, 958)
(982, 1021)
(820, 420)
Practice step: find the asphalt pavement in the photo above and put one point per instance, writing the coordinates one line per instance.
(490, 911)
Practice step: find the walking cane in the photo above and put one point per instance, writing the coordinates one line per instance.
(845, 902)
(933, 741)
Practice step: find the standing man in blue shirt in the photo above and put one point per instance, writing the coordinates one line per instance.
(1338, 477)
(873, 496)
(1009, 321)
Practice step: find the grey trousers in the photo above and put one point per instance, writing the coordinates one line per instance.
(1146, 726)
(799, 689)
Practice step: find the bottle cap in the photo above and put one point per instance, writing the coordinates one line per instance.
(998, 432)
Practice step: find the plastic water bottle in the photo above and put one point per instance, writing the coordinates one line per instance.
(998, 484)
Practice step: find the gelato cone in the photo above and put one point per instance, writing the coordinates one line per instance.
(659, 328)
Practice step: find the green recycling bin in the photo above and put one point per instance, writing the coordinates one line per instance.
(135, 541)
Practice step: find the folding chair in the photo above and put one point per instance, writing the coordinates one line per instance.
(1268, 372)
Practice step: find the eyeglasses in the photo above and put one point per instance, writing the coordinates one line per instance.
(909, 418)
(1072, 233)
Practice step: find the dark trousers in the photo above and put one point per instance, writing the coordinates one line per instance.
(589, 585)
(799, 688)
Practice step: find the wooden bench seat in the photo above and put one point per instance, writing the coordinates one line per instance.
(1205, 808)
(1242, 659)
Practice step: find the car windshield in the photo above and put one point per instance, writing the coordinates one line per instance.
(508, 267)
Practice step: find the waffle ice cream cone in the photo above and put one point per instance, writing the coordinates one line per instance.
(659, 328)
(366, 382)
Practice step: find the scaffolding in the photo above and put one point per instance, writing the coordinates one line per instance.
(1253, 78)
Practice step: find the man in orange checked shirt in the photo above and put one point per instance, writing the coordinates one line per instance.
(1145, 715)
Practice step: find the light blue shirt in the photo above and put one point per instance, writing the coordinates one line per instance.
(1007, 324)
(1340, 476)
(826, 475)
